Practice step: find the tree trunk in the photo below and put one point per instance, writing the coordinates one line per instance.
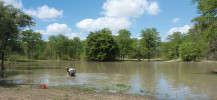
(29, 53)
(56, 55)
(2, 67)
(148, 57)
(139, 56)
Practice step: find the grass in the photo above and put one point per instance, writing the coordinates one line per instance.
(66, 96)
(121, 88)
(17, 89)
(56, 98)
(65, 88)
(89, 89)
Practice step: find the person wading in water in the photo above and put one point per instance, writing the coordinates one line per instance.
(71, 71)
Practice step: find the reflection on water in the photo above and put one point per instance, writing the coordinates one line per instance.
(163, 80)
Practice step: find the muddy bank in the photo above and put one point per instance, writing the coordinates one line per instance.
(29, 92)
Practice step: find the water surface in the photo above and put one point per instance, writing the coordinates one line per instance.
(182, 80)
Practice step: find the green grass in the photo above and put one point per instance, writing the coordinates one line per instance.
(66, 96)
(89, 89)
(121, 88)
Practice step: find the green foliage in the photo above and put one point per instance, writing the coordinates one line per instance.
(175, 40)
(75, 48)
(33, 40)
(101, 46)
(65, 48)
(205, 25)
(135, 52)
(189, 51)
(11, 21)
(124, 42)
(62, 45)
(168, 56)
(150, 42)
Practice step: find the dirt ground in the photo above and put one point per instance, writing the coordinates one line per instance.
(26, 92)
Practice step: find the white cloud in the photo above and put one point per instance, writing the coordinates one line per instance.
(118, 14)
(16, 3)
(123, 8)
(72, 35)
(56, 28)
(153, 8)
(175, 20)
(183, 29)
(44, 12)
(104, 22)
(129, 8)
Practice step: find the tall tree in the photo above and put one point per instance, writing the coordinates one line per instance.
(101, 46)
(136, 51)
(78, 48)
(12, 20)
(31, 39)
(75, 48)
(205, 24)
(124, 42)
(150, 41)
(53, 48)
(62, 46)
(175, 41)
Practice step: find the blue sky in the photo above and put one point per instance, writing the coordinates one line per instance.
(76, 18)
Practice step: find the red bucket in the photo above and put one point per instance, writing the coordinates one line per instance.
(44, 86)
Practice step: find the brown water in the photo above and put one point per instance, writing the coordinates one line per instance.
(163, 80)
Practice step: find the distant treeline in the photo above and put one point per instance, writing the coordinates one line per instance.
(199, 43)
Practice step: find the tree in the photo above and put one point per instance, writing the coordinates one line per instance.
(124, 42)
(175, 41)
(150, 41)
(101, 46)
(53, 48)
(165, 50)
(12, 20)
(31, 39)
(75, 48)
(205, 24)
(62, 44)
(78, 48)
(136, 51)
(189, 51)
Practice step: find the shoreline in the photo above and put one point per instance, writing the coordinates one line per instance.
(126, 60)
(29, 92)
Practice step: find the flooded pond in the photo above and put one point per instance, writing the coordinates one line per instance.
(182, 80)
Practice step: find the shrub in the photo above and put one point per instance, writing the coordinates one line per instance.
(189, 51)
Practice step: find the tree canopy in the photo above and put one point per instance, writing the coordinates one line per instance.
(12, 20)
(124, 42)
(150, 41)
(101, 46)
(31, 39)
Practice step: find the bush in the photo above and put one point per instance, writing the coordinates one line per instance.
(168, 56)
(189, 51)
(101, 46)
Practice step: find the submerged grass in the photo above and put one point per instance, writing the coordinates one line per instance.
(121, 88)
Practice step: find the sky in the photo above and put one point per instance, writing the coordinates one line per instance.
(76, 18)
